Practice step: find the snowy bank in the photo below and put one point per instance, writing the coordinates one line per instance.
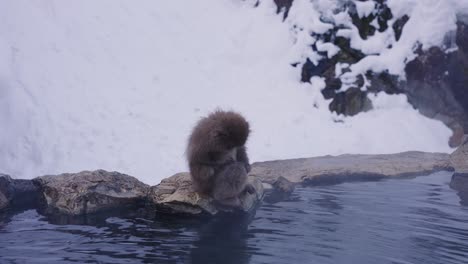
(117, 85)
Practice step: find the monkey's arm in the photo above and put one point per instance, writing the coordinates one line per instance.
(203, 177)
(242, 157)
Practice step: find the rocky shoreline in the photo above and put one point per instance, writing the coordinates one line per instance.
(356, 167)
(90, 192)
(459, 159)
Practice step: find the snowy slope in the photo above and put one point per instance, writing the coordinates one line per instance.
(118, 84)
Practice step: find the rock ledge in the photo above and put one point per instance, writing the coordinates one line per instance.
(89, 192)
(351, 167)
(459, 159)
(175, 195)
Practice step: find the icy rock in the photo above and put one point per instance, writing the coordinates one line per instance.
(175, 195)
(355, 167)
(89, 192)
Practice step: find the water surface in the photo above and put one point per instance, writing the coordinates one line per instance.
(418, 220)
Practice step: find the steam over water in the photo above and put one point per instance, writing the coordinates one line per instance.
(416, 220)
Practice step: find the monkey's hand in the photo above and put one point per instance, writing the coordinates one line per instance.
(249, 188)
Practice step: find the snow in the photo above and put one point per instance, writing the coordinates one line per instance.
(364, 9)
(118, 85)
(329, 48)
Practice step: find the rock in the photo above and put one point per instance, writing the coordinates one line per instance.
(398, 26)
(436, 86)
(175, 195)
(332, 170)
(351, 102)
(3, 201)
(281, 190)
(283, 185)
(459, 182)
(17, 193)
(283, 6)
(89, 192)
(6, 191)
(25, 194)
(457, 136)
(459, 158)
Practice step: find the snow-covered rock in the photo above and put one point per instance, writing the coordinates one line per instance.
(391, 47)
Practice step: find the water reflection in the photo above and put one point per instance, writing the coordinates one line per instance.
(463, 198)
(459, 183)
(229, 234)
(415, 220)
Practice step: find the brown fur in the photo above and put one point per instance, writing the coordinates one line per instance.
(217, 157)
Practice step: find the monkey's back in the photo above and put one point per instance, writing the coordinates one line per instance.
(213, 144)
(205, 135)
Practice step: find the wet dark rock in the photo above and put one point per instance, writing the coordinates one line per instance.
(17, 193)
(436, 85)
(398, 26)
(384, 82)
(283, 6)
(351, 102)
(462, 37)
(325, 68)
(280, 191)
(175, 195)
(459, 158)
(459, 182)
(356, 167)
(346, 53)
(3, 201)
(90, 192)
(457, 136)
(6, 190)
(283, 185)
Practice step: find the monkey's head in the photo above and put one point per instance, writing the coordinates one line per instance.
(231, 129)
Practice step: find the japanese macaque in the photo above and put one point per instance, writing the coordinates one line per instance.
(218, 159)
